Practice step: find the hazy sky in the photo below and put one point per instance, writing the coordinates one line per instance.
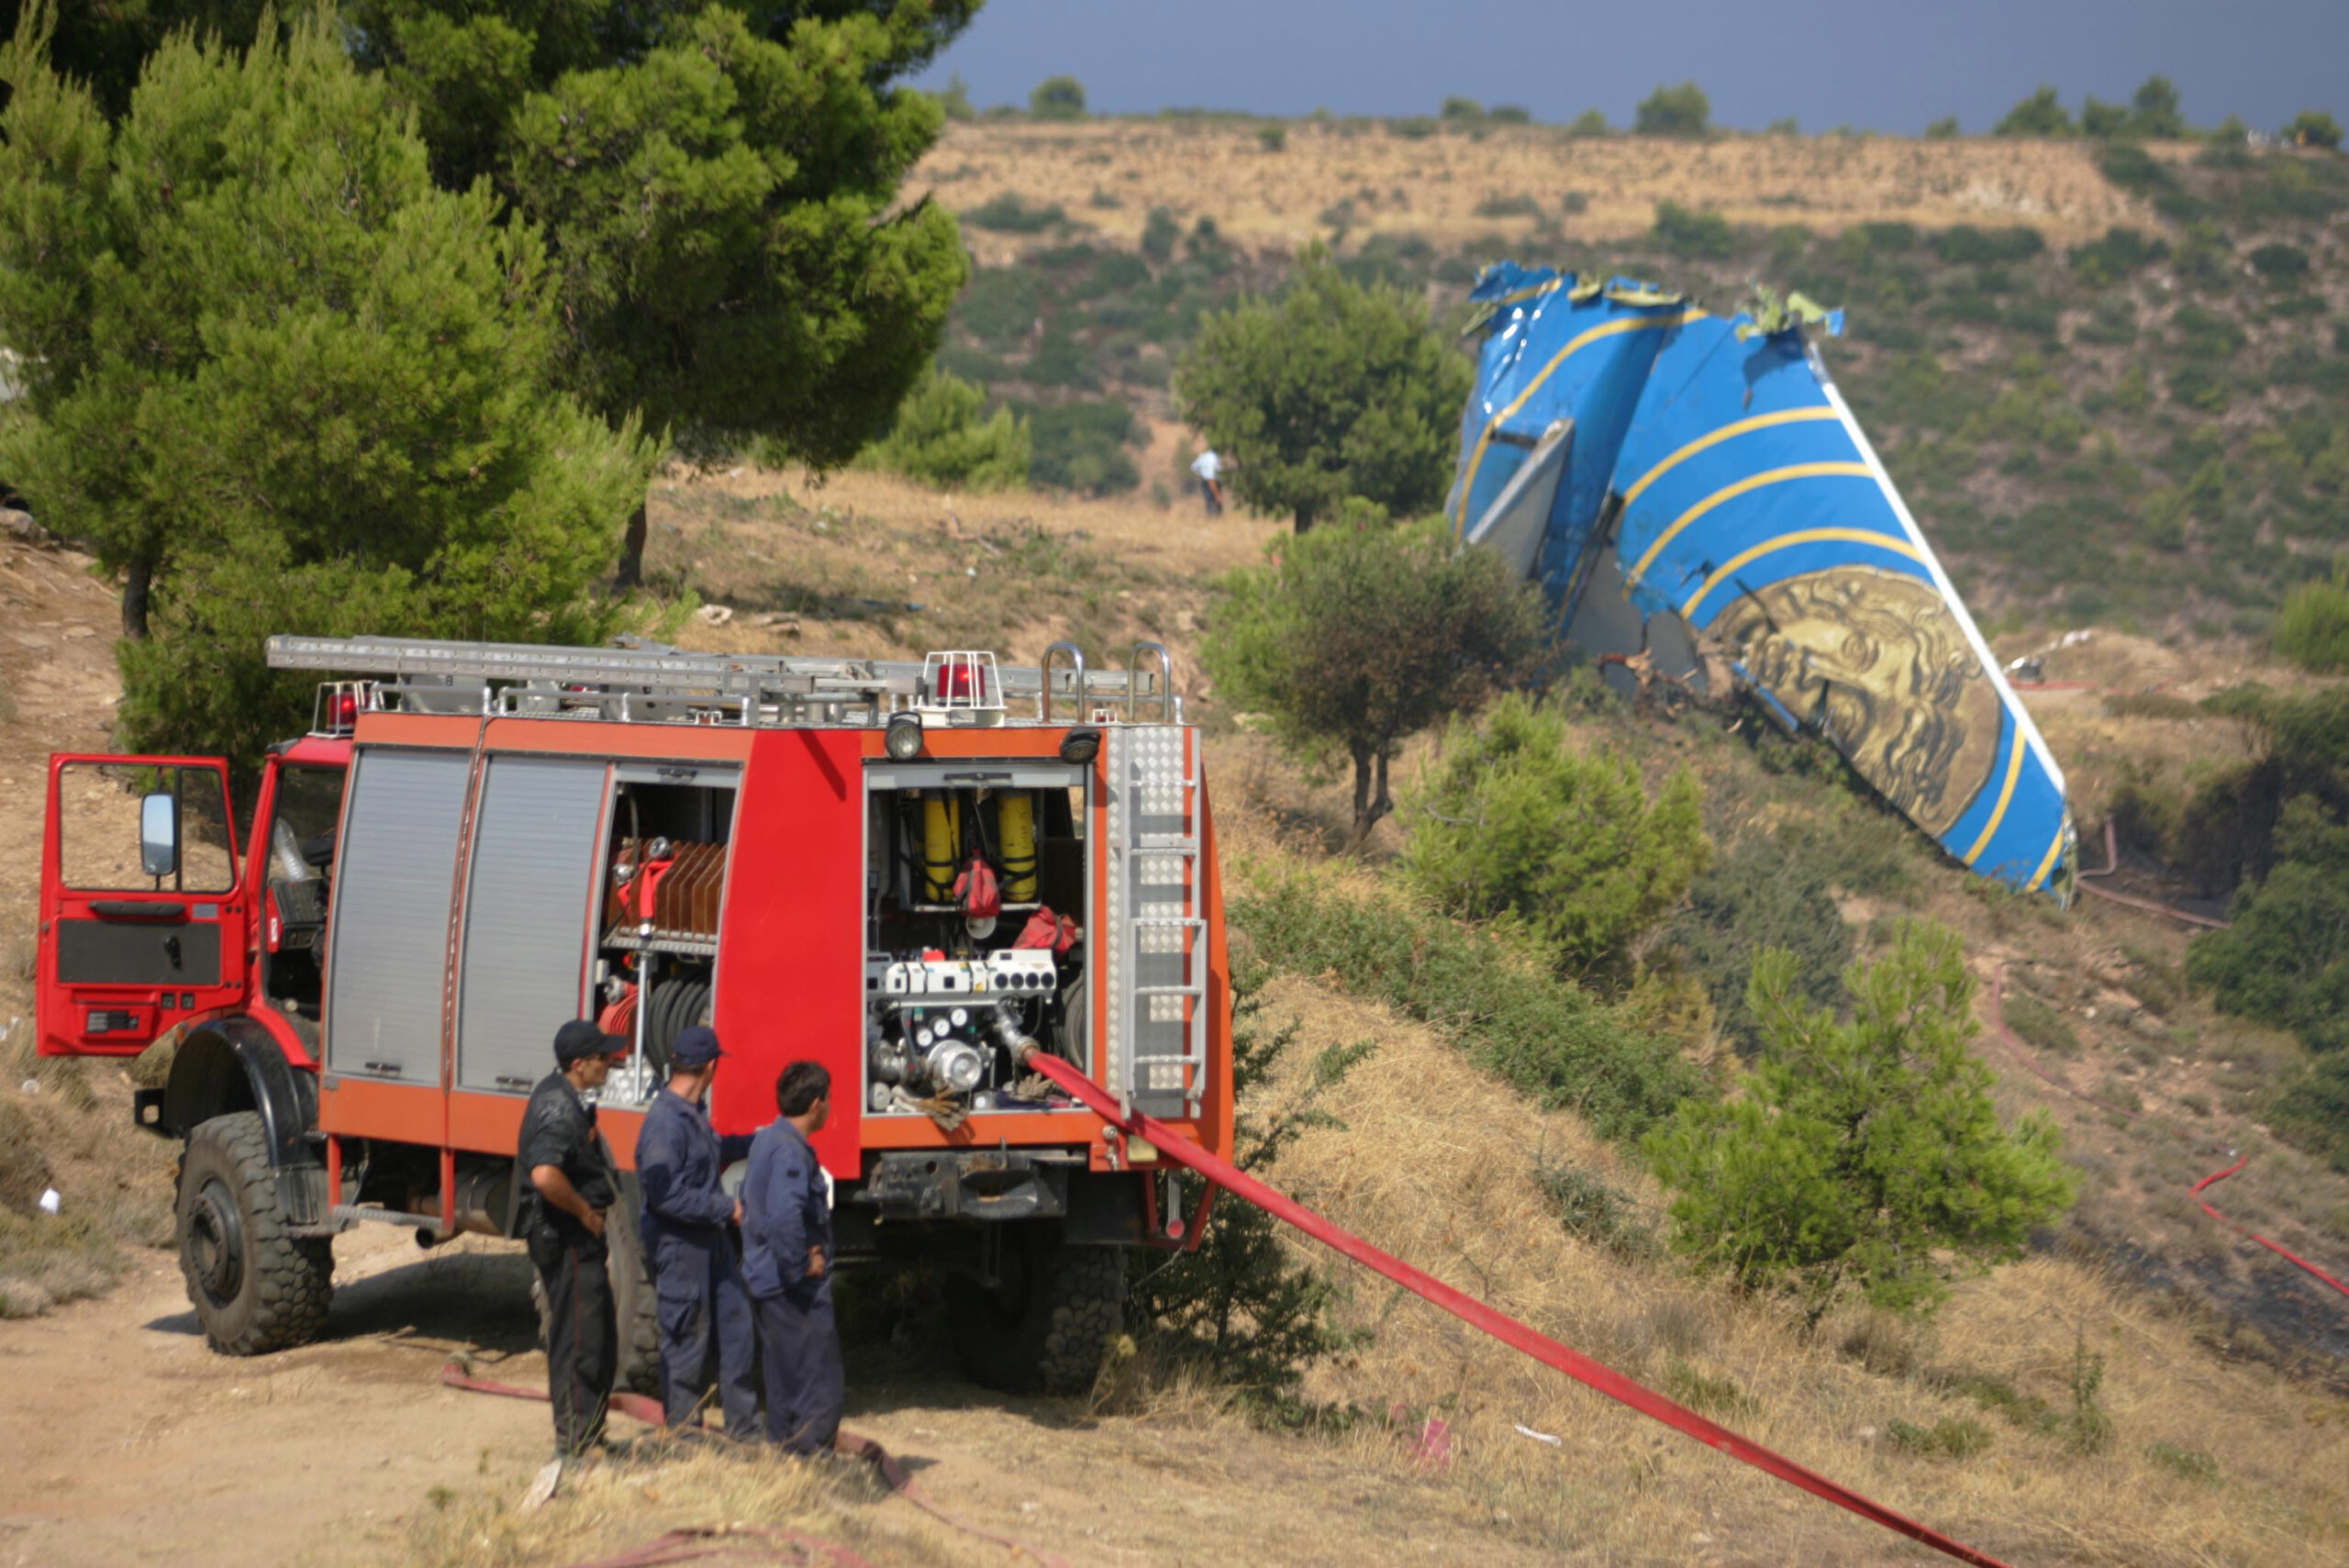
(1874, 64)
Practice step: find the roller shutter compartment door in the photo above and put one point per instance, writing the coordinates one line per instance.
(394, 871)
(528, 911)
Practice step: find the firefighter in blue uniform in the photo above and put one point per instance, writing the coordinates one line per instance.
(702, 1306)
(788, 1257)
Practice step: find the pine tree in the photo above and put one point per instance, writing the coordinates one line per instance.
(1865, 1156)
(284, 382)
(1336, 389)
(717, 185)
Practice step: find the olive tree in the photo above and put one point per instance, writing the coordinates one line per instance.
(1355, 638)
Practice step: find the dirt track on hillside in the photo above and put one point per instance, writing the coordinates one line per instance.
(130, 1442)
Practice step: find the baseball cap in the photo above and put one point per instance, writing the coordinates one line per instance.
(581, 1038)
(696, 1046)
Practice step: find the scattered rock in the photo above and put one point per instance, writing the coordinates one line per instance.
(713, 614)
(20, 527)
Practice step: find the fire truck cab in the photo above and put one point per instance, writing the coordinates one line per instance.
(905, 871)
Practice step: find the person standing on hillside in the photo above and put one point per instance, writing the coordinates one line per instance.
(702, 1306)
(787, 1258)
(575, 1182)
(1210, 467)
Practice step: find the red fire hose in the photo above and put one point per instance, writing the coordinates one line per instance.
(1177, 1147)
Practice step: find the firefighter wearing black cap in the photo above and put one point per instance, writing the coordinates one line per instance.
(570, 1169)
(703, 1305)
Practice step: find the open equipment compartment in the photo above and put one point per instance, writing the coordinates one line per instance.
(661, 894)
(949, 993)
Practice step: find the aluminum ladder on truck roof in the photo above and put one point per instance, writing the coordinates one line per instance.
(653, 681)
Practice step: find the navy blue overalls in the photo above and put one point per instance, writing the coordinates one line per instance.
(787, 1211)
(698, 1278)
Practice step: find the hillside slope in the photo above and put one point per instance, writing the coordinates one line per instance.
(2112, 380)
(1442, 1162)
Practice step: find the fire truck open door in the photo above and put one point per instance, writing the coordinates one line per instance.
(142, 922)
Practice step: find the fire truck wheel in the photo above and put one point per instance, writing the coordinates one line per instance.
(631, 1272)
(254, 1287)
(1045, 1326)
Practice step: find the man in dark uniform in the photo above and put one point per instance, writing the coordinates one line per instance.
(703, 1308)
(571, 1170)
(788, 1259)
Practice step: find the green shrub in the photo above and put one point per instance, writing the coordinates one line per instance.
(2314, 128)
(2311, 1109)
(2284, 959)
(1082, 447)
(2313, 628)
(1953, 1438)
(2191, 1463)
(1941, 130)
(2037, 1024)
(1706, 1394)
(1271, 137)
(1865, 1157)
(2087, 1425)
(1160, 230)
(1010, 214)
(1964, 245)
(1689, 233)
(2280, 263)
(1674, 111)
(1552, 1039)
(1766, 893)
(1509, 114)
(1590, 122)
(1495, 205)
(1461, 111)
(1057, 98)
(1509, 820)
(2042, 114)
(2121, 253)
(945, 436)
(1242, 1305)
(1412, 128)
(1590, 1210)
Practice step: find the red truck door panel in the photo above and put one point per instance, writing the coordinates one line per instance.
(129, 946)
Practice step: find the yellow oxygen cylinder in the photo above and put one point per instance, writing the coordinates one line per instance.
(941, 836)
(1015, 821)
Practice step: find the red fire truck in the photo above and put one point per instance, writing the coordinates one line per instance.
(906, 872)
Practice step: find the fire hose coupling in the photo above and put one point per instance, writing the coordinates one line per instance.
(1013, 1036)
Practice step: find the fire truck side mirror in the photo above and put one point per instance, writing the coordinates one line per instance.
(158, 833)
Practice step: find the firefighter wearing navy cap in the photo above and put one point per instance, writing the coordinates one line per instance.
(703, 1305)
(572, 1172)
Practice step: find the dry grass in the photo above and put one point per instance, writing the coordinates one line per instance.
(619, 1505)
(870, 565)
(1437, 1163)
(1432, 187)
(67, 1125)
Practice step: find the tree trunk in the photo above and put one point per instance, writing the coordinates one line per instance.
(631, 568)
(1304, 519)
(1371, 800)
(137, 584)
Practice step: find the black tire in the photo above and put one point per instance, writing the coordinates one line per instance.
(255, 1288)
(1045, 1326)
(633, 1311)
